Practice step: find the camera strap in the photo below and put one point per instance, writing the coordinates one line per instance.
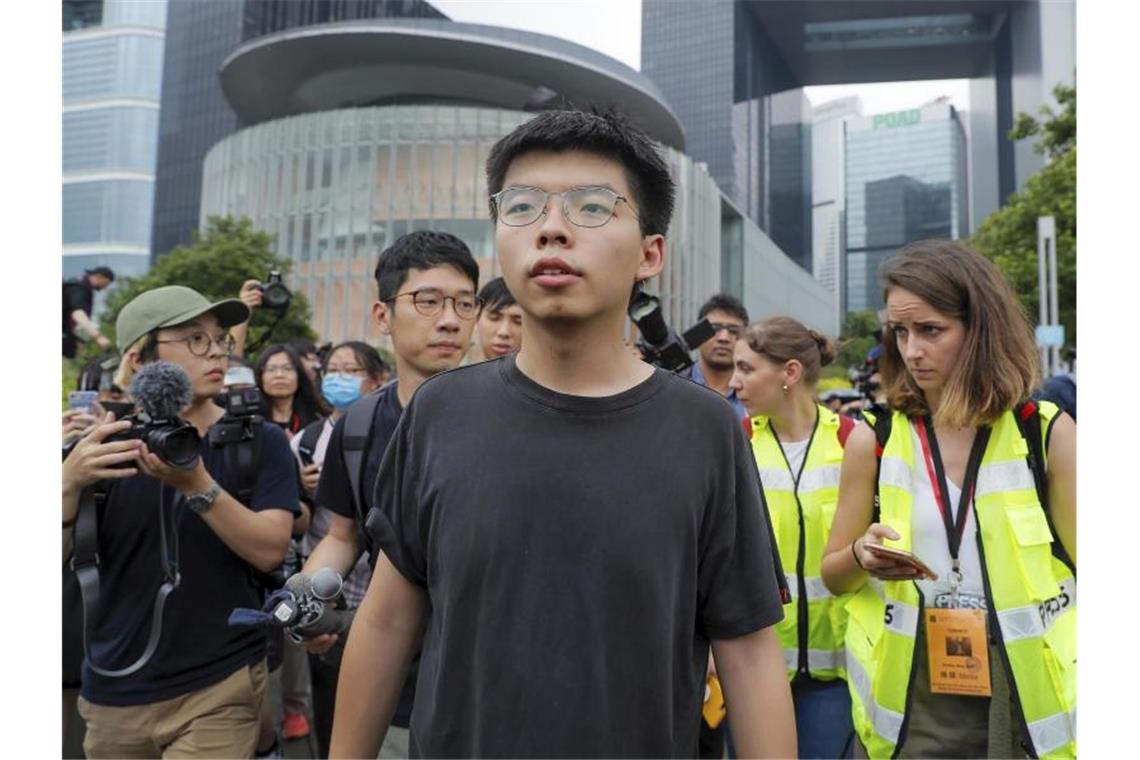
(85, 563)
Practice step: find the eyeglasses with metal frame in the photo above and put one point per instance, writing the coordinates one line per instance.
(589, 206)
(429, 302)
(198, 343)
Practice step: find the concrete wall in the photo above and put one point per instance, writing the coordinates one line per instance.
(775, 285)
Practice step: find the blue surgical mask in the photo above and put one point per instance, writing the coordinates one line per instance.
(341, 389)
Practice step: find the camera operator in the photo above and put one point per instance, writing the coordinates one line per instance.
(200, 692)
(714, 368)
(78, 300)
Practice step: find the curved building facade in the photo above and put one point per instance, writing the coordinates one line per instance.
(336, 187)
(357, 132)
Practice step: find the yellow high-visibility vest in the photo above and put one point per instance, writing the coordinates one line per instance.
(801, 507)
(1031, 594)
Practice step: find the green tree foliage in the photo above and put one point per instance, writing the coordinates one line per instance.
(857, 338)
(219, 260)
(1009, 236)
(1058, 131)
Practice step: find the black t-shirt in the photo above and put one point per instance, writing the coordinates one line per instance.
(77, 294)
(197, 648)
(579, 555)
(335, 489)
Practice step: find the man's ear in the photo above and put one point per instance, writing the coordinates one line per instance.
(133, 359)
(382, 315)
(652, 257)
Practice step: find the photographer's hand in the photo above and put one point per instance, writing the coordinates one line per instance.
(186, 481)
(250, 295)
(93, 460)
(310, 477)
(320, 644)
(76, 423)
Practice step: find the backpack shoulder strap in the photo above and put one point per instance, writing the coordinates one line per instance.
(309, 437)
(1028, 417)
(357, 427)
(880, 420)
(846, 425)
(241, 459)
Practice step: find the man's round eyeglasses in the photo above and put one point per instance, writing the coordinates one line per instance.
(198, 343)
(582, 206)
(430, 302)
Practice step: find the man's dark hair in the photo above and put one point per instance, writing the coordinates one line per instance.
(495, 295)
(604, 133)
(105, 271)
(724, 302)
(424, 249)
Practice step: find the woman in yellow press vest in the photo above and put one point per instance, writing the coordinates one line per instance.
(798, 449)
(980, 486)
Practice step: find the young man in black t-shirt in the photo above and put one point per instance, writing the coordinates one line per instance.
(427, 305)
(581, 525)
(200, 693)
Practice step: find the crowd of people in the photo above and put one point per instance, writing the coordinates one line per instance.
(549, 547)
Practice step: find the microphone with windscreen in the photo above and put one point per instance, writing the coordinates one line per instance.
(307, 606)
(162, 390)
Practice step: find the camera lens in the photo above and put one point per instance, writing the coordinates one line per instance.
(275, 296)
(178, 445)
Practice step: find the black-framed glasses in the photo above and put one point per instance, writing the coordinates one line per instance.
(198, 343)
(734, 330)
(582, 206)
(429, 302)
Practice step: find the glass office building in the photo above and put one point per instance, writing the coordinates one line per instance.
(112, 76)
(196, 115)
(336, 187)
(905, 180)
(743, 113)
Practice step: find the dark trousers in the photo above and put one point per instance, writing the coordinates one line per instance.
(710, 744)
(324, 677)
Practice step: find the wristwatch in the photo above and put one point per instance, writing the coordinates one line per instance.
(202, 501)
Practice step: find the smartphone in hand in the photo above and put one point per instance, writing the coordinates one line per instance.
(902, 557)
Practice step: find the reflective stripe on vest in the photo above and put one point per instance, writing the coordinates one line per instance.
(1031, 593)
(818, 493)
(818, 659)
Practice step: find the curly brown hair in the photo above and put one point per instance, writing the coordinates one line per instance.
(998, 365)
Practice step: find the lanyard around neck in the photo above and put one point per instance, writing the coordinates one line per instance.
(955, 524)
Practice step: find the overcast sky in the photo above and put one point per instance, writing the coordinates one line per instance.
(613, 27)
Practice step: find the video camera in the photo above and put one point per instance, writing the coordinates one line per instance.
(658, 344)
(861, 376)
(162, 389)
(275, 295)
(175, 441)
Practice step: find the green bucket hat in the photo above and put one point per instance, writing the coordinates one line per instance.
(169, 306)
